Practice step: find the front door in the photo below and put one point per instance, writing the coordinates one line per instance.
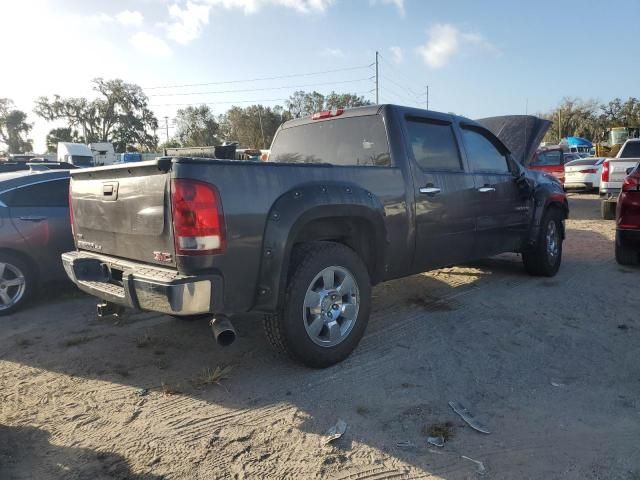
(502, 212)
(443, 191)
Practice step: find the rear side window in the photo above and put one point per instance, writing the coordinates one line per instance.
(483, 155)
(631, 150)
(547, 159)
(54, 193)
(433, 145)
(343, 141)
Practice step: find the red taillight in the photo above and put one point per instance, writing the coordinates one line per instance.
(605, 171)
(589, 170)
(336, 112)
(71, 212)
(631, 184)
(198, 223)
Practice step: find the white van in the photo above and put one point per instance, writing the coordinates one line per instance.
(77, 154)
(103, 153)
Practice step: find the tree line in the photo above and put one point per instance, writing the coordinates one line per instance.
(120, 114)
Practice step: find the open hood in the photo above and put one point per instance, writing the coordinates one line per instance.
(521, 134)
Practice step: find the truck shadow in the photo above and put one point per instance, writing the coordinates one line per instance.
(27, 452)
(454, 334)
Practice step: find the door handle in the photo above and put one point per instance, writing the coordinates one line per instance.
(32, 219)
(429, 190)
(486, 189)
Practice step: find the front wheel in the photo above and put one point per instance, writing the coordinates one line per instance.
(326, 305)
(544, 258)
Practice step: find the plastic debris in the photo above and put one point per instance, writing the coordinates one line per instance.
(436, 441)
(142, 392)
(480, 469)
(557, 383)
(335, 432)
(406, 444)
(468, 417)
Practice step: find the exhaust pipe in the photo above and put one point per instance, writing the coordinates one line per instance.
(223, 331)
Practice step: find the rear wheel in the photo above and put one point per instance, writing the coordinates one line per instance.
(17, 282)
(326, 306)
(544, 258)
(624, 254)
(608, 209)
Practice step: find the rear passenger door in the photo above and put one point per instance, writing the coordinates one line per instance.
(501, 210)
(40, 213)
(443, 193)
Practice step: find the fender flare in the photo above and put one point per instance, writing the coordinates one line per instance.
(543, 200)
(289, 215)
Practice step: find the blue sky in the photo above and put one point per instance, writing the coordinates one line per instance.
(479, 58)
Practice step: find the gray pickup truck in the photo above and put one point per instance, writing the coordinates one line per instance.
(346, 200)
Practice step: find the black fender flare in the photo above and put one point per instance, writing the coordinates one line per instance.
(543, 200)
(292, 211)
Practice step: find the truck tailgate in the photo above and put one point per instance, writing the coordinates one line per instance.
(124, 211)
(618, 168)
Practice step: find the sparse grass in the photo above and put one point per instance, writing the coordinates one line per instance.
(215, 376)
(362, 410)
(444, 430)
(170, 389)
(79, 340)
(144, 341)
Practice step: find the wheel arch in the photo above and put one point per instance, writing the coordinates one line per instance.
(339, 212)
(32, 264)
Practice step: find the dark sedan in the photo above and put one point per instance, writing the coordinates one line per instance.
(34, 231)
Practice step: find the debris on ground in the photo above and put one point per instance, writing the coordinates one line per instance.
(436, 441)
(468, 417)
(406, 444)
(335, 432)
(557, 383)
(480, 469)
(142, 392)
(444, 430)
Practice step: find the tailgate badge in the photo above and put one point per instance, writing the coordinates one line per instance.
(165, 257)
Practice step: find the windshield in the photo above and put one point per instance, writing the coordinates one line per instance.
(82, 160)
(630, 150)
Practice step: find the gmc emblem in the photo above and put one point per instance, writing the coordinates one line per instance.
(164, 257)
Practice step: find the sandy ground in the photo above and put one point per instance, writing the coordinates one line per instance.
(551, 366)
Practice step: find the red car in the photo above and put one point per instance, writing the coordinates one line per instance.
(551, 160)
(628, 220)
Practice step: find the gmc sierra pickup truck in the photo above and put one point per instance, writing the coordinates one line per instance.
(614, 171)
(346, 200)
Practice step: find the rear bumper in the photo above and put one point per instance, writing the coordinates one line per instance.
(143, 287)
(578, 185)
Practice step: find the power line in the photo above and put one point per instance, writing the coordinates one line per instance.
(259, 89)
(235, 101)
(260, 79)
(398, 82)
(399, 96)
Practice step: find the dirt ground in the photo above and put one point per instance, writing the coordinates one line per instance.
(550, 366)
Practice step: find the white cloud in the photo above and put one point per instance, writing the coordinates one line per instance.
(397, 54)
(187, 23)
(253, 6)
(130, 18)
(399, 4)
(149, 44)
(446, 40)
(332, 52)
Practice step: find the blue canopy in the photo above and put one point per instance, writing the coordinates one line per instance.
(579, 142)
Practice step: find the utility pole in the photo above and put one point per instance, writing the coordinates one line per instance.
(377, 82)
(166, 126)
(427, 97)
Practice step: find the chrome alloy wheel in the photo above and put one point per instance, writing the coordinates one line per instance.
(331, 306)
(12, 285)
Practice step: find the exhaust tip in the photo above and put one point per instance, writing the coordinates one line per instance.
(223, 331)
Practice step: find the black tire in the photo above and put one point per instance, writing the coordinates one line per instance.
(10, 264)
(608, 210)
(537, 260)
(286, 329)
(625, 255)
